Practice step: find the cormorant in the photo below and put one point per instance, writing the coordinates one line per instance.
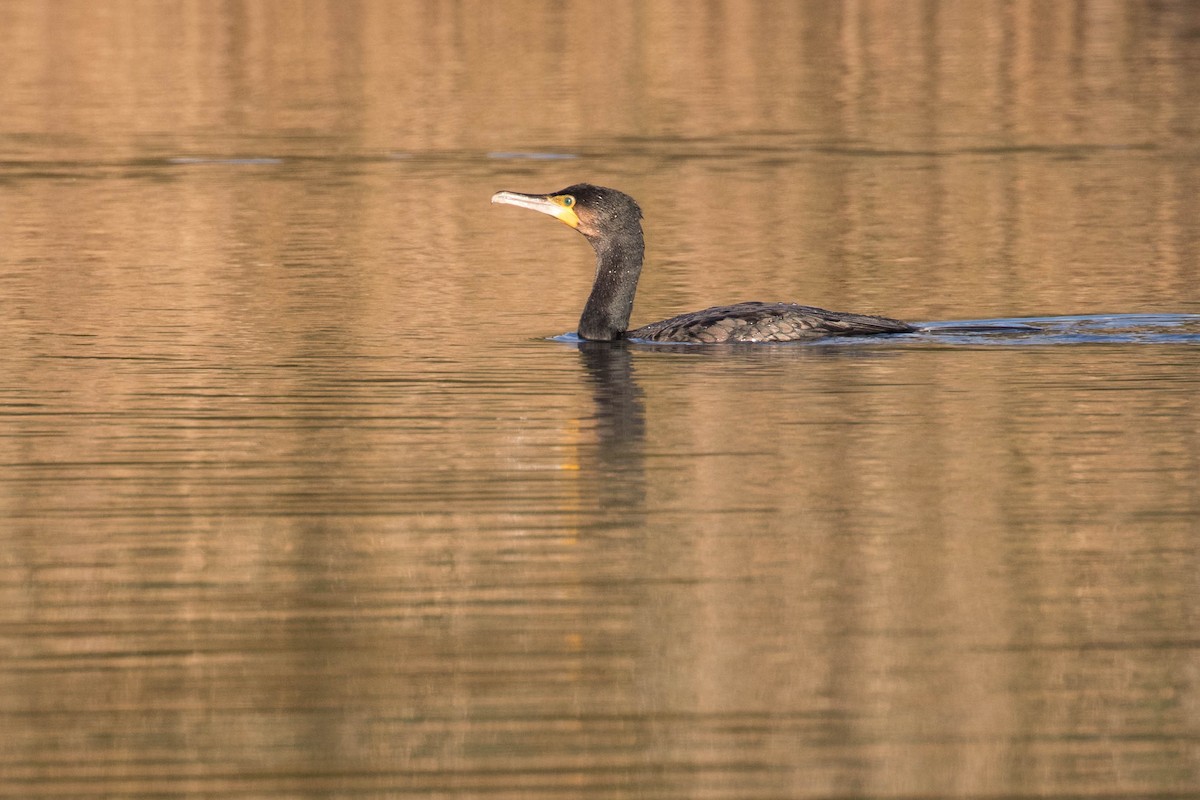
(611, 222)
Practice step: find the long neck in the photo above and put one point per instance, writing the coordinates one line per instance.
(618, 266)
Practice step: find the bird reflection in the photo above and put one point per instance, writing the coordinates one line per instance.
(616, 464)
(620, 413)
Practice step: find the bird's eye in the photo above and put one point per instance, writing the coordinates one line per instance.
(567, 201)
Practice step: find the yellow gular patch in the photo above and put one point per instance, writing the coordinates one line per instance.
(566, 209)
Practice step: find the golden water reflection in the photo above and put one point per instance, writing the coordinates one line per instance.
(297, 500)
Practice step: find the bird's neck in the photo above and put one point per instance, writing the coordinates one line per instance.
(618, 266)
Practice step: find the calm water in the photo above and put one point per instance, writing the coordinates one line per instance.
(303, 492)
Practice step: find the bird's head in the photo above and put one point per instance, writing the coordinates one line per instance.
(595, 211)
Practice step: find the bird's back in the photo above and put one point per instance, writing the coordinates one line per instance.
(764, 322)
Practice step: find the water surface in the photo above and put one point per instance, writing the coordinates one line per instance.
(303, 493)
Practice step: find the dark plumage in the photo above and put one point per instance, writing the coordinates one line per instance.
(611, 222)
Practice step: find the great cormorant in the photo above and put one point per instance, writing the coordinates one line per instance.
(611, 222)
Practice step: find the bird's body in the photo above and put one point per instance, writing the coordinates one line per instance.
(611, 222)
(764, 322)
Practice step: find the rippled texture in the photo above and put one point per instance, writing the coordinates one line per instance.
(300, 495)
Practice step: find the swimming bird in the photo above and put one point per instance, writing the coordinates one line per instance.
(611, 221)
